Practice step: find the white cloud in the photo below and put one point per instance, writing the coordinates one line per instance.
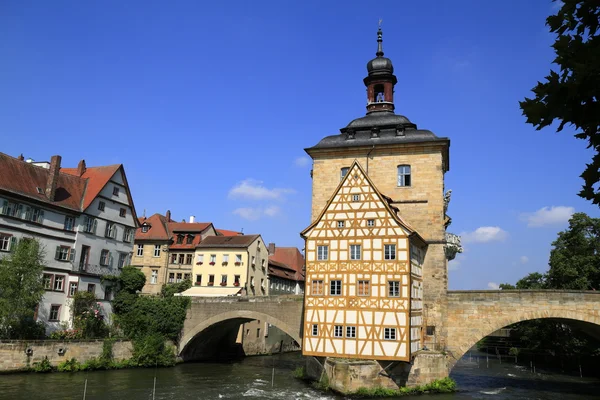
(251, 214)
(484, 234)
(272, 211)
(302, 161)
(255, 190)
(548, 216)
(256, 213)
(524, 259)
(493, 286)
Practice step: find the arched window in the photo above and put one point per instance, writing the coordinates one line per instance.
(404, 175)
(379, 94)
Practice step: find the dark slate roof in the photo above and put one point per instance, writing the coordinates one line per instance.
(378, 128)
(228, 241)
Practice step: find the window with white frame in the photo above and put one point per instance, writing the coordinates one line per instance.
(32, 214)
(111, 230)
(157, 250)
(115, 190)
(370, 223)
(389, 333)
(89, 224)
(47, 281)
(315, 330)
(145, 228)
(356, 197)
(404, 175)
(5, 241)
(213, 258)
(238, 259)
(69, 223)
(54, 312)
(105, 257)
(338, 331)
(351, 332)
(389, 252)
(154, 277)
(59, 283)
(335, 288)
(63, 253)
(225, 258)
(393, 288)
(200, 258)
(140, 250)
(322, 252)
(72, 288)
(171, 277)
(355, 252)
(8, 208)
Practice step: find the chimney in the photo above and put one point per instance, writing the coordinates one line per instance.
(192, 219)
(81, 168)
(21, 158)
(168, 215)
(53, 177)
(271, 249)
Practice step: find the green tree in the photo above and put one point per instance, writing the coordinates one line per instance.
(572, 95)
(21, 290)
(575, 258)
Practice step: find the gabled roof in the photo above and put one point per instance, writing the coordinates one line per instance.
(22, 178)
(384, 199)
(291, 258)
(157, 231)
(228, 241)
(97, 178)
(282, 271)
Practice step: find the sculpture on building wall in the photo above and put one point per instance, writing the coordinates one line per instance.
(453, 245)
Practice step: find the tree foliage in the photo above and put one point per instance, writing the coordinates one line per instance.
(21, 290)
(149, 320)
(571, 96)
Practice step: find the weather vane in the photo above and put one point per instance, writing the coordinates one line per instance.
(380, 21)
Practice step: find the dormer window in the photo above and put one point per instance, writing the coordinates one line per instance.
(179, 239)
(145, 228)
(189, 239)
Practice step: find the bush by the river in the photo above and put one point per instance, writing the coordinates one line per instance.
(445, 385)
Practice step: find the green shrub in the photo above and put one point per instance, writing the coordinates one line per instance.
(42, 366)
(445, 385)
(149, 351)
(71, 365)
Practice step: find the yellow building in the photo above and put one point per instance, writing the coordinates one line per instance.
(150, 251)
(363, 277)
(230, 265)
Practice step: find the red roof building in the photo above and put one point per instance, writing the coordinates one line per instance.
(286, 270)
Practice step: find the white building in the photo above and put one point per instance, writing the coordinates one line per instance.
(83, 217)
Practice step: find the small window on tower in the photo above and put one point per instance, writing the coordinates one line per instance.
(379, 96)
(343, 172)
(430, 330)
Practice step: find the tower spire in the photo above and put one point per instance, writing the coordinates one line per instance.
(379, 41)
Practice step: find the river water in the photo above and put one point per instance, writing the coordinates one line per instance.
(251, 379)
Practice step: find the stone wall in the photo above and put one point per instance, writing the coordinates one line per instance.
(20, 355)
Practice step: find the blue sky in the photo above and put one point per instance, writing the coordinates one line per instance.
(209, 106)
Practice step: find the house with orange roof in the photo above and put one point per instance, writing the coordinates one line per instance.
(286, 270)
(85, 219)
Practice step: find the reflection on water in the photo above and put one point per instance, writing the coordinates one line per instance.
(251, 379)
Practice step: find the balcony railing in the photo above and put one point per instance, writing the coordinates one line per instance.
(95, 269)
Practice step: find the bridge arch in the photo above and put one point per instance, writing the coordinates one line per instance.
(236, 317)
(473, 316)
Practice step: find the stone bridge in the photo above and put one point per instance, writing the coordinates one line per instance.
(471, 316)
(212, 322)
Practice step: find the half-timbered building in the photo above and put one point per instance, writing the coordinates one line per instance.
(363, 276)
